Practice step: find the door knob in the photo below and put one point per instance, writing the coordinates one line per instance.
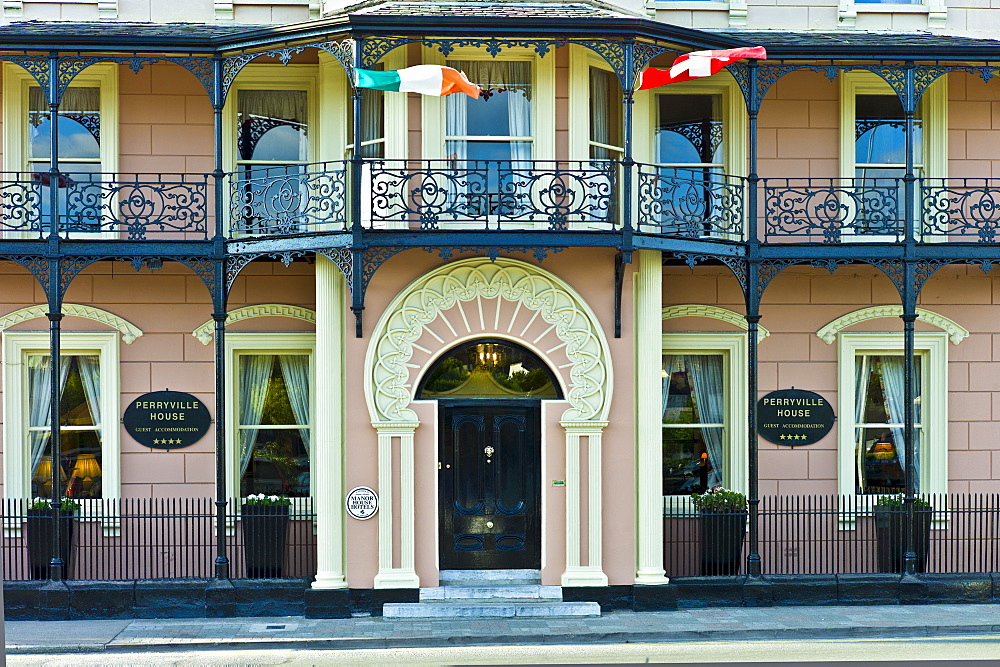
(489, 524)
(489, 451)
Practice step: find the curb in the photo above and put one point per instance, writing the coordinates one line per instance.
(522, 640)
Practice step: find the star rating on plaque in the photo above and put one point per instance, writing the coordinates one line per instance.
(786, 436)
(166, 441)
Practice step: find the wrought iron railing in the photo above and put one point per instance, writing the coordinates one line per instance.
(131, 206)
(960, 209)
(832, 210)
(492, 194)
(690, 203)
(21, 204)
(156, 538)
(287, 200)
(838, 534)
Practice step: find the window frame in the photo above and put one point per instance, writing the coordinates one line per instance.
(16, 136)
(733, 348)
(933, 348)
(249, 343)
(935, 131)
(581, 61)
(16, 346)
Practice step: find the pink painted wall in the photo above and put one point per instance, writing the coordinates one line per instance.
(802, 300)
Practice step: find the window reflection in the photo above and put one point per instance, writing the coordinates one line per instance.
(489, 370)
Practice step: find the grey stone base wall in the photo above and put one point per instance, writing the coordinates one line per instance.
(210, 598)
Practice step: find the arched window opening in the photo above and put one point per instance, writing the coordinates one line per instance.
(489, 368)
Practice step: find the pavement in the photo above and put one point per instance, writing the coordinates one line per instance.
(616, 627)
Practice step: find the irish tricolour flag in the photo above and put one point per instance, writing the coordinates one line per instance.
(424, 79)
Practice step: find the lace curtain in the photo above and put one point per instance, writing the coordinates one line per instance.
(295, 371)
(705, 376)
(40, 402)
(255, 375)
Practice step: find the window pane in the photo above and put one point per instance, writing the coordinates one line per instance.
(881, 458)
(692, 394)
(883, 391)
(689, 129)
(489, 370)
(279, 464)
(272, 125)
(687, 467)
(79, 124)
(605, 109)
(880, 130)
(80, 473)
(504, 110)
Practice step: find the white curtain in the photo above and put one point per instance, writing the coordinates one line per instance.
(705, 372)
(599, 104)
(671, 365)
(894, 383)
(255, 374)
(90, 373)
(861, 370)
(295, 371)
(40, 403)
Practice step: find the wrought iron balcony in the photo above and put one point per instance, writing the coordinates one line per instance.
(287, 200)
(832, 210)
(960, 209)
(690, 203)
(491, 194)
(104, 206)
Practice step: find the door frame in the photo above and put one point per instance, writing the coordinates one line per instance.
(536, 404)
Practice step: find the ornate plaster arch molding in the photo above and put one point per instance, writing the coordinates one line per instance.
(206, 331)
(714, 313)
(128, 330)
(388, 359)
(956, 332)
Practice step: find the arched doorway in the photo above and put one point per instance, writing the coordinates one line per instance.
(489, 394)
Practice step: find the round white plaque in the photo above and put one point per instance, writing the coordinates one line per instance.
(362, 503)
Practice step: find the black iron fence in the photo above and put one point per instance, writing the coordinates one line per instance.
(835, 534)
(159, 538)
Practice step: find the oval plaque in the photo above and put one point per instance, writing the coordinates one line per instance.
(362, 503)
(794, 417)
(167, 419)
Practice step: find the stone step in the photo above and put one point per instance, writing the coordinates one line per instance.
(490, 577)
(489, 609)
(497, 593)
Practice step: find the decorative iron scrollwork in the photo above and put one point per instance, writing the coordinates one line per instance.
(690, 203)
(797, 209)
(289, 200)
(960, 208)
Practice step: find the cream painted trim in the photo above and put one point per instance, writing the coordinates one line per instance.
(733, 347)
(387, 368)
(734, 119)
(581, 59)
(106, 9)
(328, 425)
(15, 85)
(737, 9)
(269, 342)
(933, 348)
(935, 107)
(128, 330)
(16, 345)
(956, 332)
(715, 313)
(543, 128)
(335, 100)
(206, 332)
(848, 10)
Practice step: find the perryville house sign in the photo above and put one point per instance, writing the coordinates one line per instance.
(794, 417)
(167, 419)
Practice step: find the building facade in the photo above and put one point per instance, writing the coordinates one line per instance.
(532, 324)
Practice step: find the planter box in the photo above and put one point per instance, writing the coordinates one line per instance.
(890, 533)
(265, 534)
(41, 533)
(722, 542)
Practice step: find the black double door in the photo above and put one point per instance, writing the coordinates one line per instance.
(490, 491)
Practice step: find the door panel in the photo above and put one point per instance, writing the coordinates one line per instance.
(490, 491)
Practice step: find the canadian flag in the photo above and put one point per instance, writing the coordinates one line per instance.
(696, 65)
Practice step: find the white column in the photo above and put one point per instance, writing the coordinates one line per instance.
(577, 572)
(327, 455)
(649, 436)
(404, 576)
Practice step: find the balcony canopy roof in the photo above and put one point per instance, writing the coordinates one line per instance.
(541, 19)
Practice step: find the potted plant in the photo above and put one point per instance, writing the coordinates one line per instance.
(41, 534)
(723, 517)
(890, 532)
(265, 534)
